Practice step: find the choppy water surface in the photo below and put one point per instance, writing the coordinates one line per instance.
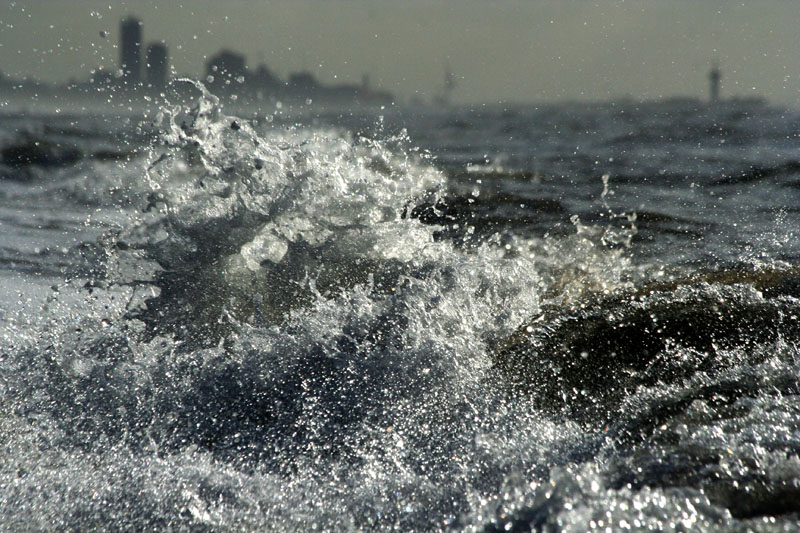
(489, 319)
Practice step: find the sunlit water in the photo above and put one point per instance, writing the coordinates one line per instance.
(487, 319)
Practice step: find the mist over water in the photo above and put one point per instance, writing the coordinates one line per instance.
(561, 318)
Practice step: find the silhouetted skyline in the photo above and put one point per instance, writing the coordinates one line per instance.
(516, 50)
(227, 74)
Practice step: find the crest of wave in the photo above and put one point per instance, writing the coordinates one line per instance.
(290, 186)
(269, 219)
(255, 225)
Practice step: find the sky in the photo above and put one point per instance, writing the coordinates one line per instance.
(498, 50)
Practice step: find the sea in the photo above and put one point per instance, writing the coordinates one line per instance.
(559, 317)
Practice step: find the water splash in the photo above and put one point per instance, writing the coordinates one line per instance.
(277, 343)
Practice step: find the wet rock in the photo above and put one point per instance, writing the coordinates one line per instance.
(586, 357)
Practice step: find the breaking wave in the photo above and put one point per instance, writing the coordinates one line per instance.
(302, 329)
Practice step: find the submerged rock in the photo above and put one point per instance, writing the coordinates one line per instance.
(585, 358)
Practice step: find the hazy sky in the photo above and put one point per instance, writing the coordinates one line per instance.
(499, 50)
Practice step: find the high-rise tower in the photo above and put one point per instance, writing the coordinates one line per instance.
(714, 78)
(130, 49)
(157, 65)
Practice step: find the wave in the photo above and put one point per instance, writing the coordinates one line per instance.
(263, 225)
(291, 335)
(758, 173)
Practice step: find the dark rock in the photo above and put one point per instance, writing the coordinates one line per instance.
(586, 357)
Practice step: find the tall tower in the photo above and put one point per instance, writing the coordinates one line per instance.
(714, 78)
(157, 65)
(443, 98)
(130, 49)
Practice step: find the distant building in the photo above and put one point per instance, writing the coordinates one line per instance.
(157, 65)
(101, 78)
(302, 83)
(225, 68)
(130, 49)
(264, 78)
(714, 78)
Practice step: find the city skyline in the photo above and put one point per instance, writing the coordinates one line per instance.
(512, 51)
(143, 69)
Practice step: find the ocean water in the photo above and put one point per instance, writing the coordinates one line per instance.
(567, 317)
